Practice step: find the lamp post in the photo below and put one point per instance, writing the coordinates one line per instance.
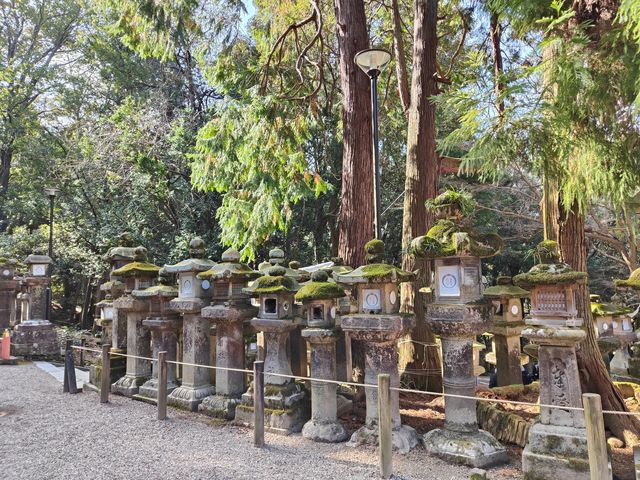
(372, 61)
(51, 193)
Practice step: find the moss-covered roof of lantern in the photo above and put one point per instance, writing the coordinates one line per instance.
(31, 259)
(448, 239)
(156, 291)
(111, 285)
(319, 288)
(550, 271)
(375, 271)
(9, 262)
(230, 269)
(142, 269)
(453, 201)
(505, 288)
(632, 282)
(126, 253)
(601, 309)
(196, 262)
(274, 281)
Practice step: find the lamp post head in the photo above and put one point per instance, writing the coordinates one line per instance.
(372, 61)
(51, 192)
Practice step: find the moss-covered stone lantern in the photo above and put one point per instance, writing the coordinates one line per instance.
(458, 313)
(137, 275)
(229, 310)
(507, 324)
(378, 325)
(35, 335)
(193, 295)
(628, 291)
(557, 446)
(9, 287)
(320, 299)
(286, 401)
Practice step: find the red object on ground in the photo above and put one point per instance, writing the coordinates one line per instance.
(5, 346)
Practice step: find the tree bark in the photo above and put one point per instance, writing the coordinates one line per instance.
(495, 32)
(594, 377)
(401, 61)
(356, 209)
(6, 156)
(421, 183)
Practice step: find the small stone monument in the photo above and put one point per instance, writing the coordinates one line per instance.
(615, 334)
(459, 313)
(378, 325)
(35, 336)
(9, 287)
(286, 401)
(557, 446)
(138, 275)
(193, 295)
(506, 327)
(320, 299)
(163, 324)
(230, 309)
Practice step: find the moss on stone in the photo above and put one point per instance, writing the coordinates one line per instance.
(137, 269)
(319, 291)
(452, 200)
(632, 282)
(274, 281)
(549, 274)
(229, 270)
(156, 291)
(505, 291)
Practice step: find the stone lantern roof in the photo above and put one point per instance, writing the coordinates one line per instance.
(453, 234)
(633, 282)
(338, 268)
(230, 269)
(319, 288)
(196, 262)
(139, 267)
(505, 288)
(375, 271)
(602, 309)
(276, 257)
(37, 259)
(165, 288)
(124, 250)
(275, 280)
(550, 271)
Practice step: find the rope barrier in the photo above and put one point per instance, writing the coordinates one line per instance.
(368, 385)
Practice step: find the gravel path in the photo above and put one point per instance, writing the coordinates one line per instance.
(50, 435)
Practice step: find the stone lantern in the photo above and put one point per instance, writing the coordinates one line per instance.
(35, 335)
(230, 309)
(193, 295)
(557, 446)
(615, 333)
(320, 299)
(286, 401)
(506, 327)
(378, 325)
(9, 287)
(137, 276)
(458, 313)
(163, 324)
(629, 290)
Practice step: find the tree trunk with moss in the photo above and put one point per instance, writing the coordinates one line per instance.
(421, 183)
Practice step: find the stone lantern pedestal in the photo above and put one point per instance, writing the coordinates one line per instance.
(35, 336)
(9, 287)
(163, 339)
(194, 294)
(230, 310)
(557, 446)
(458, 313)
(286, 401)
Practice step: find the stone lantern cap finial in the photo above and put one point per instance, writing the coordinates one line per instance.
(550, 271)
(453, 235)
(139, 267)
(276, 256)
(319, 288)
(196, 263)
(633, 282)
(275, 280)
(505, 288)
(374, 272)
(230, 269)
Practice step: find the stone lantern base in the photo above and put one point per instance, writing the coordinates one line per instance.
(35, 338)
(479, 449)
(404, 438)
(129, 385)
(219, 406)
(286, 408)
(556, 452)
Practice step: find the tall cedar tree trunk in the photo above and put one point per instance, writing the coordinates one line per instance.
(6, 155)
(356, 209)
(495, 31)
(594, 377)
(421, 183)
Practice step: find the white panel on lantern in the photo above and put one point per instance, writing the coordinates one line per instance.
(39, 270)
(186, 287)
(371, 299)
(449, 281)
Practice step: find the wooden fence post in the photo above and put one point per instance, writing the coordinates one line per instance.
(162, 385)
(384, 426)
(596, 440)
(258, 404)
(636, 461)
(105, 375)
(69, 384)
